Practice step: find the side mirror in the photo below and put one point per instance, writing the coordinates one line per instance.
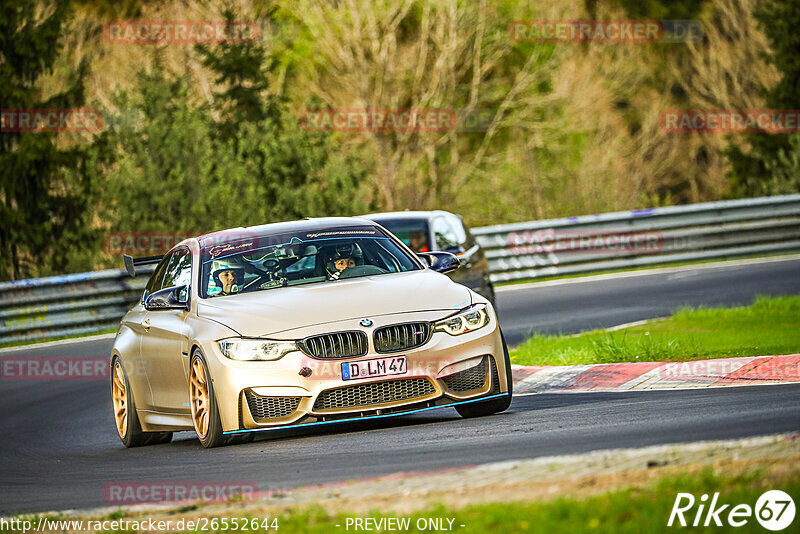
(441, 262)
(170, 298)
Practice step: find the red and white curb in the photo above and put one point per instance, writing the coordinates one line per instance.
(657, 375)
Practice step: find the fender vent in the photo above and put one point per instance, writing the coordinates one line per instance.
(469, 379)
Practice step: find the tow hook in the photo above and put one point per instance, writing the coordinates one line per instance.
(305, 372)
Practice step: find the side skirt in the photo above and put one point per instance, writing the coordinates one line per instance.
(160, 421)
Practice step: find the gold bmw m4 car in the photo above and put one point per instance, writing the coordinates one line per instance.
(303, 323)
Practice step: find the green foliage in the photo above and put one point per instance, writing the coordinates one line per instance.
(185, 170)
(242, 70)
(43, 195)
(157, 176)
(194, 164)
(771, 165)
(769, 326)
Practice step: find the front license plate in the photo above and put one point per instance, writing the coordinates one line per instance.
(373, 368)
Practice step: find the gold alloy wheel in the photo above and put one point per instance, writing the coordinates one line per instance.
(119, 399)
(200, 398)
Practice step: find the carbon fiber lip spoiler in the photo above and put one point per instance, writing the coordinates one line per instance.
(364, 418)
(131, 262)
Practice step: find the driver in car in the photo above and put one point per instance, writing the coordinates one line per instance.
(418, 242)
(343, 258)
(343, 263)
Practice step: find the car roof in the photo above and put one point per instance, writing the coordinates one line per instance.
(309, 224)
(398, 215)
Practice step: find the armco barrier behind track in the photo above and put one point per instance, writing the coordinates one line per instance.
(80, 303)
(593, 243)
(90, 302)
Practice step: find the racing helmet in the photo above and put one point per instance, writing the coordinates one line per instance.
(345, 250)
(220, 266)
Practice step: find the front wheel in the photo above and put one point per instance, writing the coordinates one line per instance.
(205, 414)
(479, 409)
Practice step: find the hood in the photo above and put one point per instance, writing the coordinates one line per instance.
(268, 312)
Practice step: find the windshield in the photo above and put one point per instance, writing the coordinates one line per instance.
(257, 263)
(412, 232)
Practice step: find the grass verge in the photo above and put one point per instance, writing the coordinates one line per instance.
(768, 326)
(633, 510)
(636, 502)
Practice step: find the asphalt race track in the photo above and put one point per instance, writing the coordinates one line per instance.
(58, 446)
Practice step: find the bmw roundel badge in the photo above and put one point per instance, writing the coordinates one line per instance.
(366, 322)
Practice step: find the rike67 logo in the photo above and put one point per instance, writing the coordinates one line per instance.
(774, 510)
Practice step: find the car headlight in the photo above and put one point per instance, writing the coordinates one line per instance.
(255, 349)
(467, 320)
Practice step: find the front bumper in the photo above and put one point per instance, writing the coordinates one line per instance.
(444, 371)
(377, 415)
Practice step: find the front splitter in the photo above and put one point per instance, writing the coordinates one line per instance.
(365, 418)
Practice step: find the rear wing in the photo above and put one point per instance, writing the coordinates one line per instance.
(131, 262)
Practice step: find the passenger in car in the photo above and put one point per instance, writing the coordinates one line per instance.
(418, 242)
(227, 276)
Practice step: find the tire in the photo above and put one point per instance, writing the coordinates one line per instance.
(203, 403)
(480, 409)
(240, 439)
(213, 436)
(130, 430)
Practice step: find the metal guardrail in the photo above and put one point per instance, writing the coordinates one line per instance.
(91, 302)
(628, 239)
(81, 303)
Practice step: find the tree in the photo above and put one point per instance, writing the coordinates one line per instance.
(241, 70)
(157, 170)
(43, 196)
(448, 56)
(290, 173)
(772, 163)
(195, 168)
